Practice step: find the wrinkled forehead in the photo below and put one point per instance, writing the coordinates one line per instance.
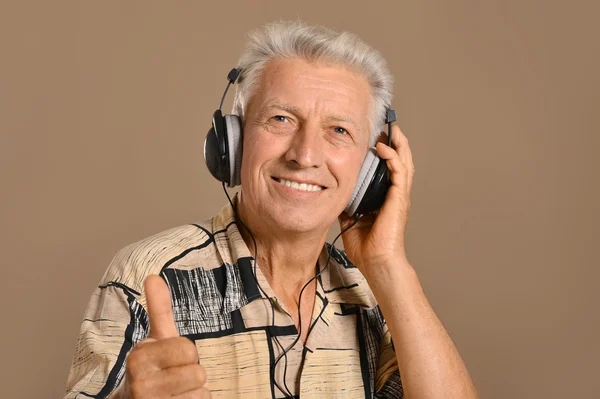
(316, 88)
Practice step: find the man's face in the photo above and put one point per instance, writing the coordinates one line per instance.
(305, 137)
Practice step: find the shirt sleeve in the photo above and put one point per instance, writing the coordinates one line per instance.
(114, 321)
(387, 380)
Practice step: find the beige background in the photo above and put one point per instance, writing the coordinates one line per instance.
(105, 105)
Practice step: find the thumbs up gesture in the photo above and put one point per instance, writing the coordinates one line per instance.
(164, 365)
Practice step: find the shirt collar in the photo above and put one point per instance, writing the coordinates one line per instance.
(341, 282)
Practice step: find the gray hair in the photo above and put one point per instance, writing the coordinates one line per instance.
(295, 39)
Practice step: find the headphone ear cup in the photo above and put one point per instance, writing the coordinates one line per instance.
(213, 157)
(367, 171)
(376, 191)
(216, 149)
(233, 129)
(371, 187)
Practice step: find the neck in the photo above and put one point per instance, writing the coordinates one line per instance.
(287, 259)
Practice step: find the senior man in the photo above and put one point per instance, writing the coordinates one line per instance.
(254, 302)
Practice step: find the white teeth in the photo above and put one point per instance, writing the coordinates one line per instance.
(300, 186)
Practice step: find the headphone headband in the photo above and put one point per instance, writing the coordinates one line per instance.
(233, 75)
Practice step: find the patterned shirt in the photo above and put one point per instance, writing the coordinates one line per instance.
(218, 305)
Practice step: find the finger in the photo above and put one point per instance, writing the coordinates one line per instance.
(396, 136)
(348, 224)
(144, 342)
(345, 221)
(398, 171)
(185, 379)
(174, 381)
(160, 311)
(153, 356)
(400, 143)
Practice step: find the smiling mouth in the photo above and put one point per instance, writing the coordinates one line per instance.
(298, 185)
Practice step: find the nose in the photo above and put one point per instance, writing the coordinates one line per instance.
(306, 147)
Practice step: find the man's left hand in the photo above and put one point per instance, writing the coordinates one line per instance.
(377, 241)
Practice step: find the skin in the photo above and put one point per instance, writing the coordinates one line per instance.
(291, 231)
(308, 122)
(164, 365)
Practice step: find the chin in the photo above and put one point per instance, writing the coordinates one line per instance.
(300, 220)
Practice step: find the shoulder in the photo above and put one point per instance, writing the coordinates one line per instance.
(151, 255)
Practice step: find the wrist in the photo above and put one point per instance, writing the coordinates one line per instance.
(390, 275)
(386, 266)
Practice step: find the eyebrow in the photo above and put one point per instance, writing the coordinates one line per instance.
(337, 118)
(284, 107)
(296, 111)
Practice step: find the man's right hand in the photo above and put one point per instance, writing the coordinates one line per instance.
(164, 365)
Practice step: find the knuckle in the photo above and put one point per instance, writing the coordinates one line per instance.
(200, 374)
(136, 360)
(189, 349)
(138, 390)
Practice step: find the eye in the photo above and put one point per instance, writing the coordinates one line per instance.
(340, 130)
(280, 118)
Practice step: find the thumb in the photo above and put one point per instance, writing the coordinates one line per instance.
(160, 311)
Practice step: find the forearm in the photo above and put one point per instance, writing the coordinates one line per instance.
(430, 365)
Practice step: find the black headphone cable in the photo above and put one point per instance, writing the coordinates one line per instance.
(287, 391)
(272, 369)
